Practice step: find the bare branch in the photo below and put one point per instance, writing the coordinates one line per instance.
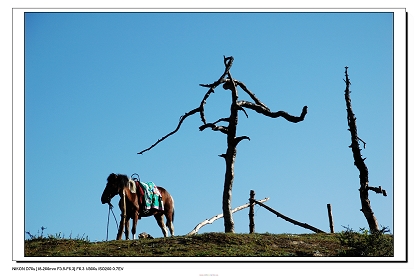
(228, 63)
(242, 109)
(252, 95)
(182, 118)
(216, 83)
(238, 139)
(378, 190)
(222, 129)
(202, 104)
(225, 119)
(364, 143)
(267, 112)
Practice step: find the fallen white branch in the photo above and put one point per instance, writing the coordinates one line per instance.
(210, 221)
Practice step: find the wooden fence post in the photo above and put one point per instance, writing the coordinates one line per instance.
(251, 214)
(331, 220)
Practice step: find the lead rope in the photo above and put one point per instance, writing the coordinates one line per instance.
(108, 215)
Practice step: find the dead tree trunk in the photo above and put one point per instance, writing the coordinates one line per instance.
(231, 129)
(359, 162)
(330, 219)
(251, 213)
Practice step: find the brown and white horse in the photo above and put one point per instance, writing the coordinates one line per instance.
(128, 204)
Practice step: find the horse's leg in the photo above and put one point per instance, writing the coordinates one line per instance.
(127, 228)
(160, 221)
(170, 227)
(121, 225)
(170, 217)
(135, 221)
(169, 213)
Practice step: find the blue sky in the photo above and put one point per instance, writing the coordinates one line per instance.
(100, 87)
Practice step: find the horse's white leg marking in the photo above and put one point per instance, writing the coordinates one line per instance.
(164, 230)
(160, 221)
(171, 228)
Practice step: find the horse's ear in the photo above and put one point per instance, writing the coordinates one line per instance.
(112, 176)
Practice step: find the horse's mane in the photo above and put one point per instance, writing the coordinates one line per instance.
(124, 180)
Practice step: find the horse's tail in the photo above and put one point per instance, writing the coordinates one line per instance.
(173, 215)
(172, 199)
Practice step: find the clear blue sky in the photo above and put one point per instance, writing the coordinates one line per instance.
(100, 87)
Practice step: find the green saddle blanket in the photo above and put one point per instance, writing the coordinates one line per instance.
(152, 196)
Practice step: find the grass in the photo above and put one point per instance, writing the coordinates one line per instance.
(216, 245)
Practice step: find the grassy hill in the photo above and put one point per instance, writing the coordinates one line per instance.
(219, 245)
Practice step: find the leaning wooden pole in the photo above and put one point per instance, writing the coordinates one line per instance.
(216, 217)
(304, 225)
(359, 162)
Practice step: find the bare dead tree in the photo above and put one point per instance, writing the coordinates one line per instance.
(230, 128)
(359, 162)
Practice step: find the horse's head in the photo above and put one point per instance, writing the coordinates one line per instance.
(115, 184)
